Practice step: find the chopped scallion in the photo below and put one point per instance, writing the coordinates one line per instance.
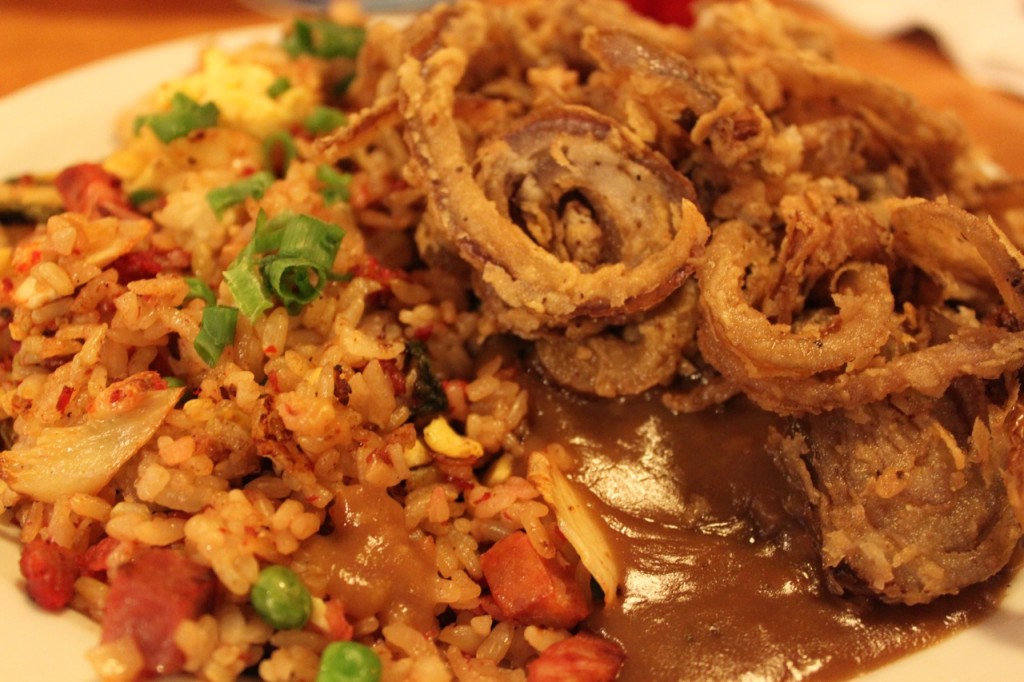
(197, 288)
(245, 281)
(336, 184)
(280, 86)
(268, 233)
(184, 116)
(324, 120)
(324, 38)
(279, 151)
(312, 239)
(293, 280)
(223, 198)
(289, 258)
(142, 196)
(216, 332)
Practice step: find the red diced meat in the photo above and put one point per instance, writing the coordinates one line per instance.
(87, 188)
(580, 658)
(667, 11)
(94, 559)
(530, 589)
(148, 599)
(50, 572)
(147, 264)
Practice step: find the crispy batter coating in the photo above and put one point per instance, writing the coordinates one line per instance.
(723, 210)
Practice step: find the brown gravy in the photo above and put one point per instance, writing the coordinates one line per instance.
(733, 592)
(369, 541)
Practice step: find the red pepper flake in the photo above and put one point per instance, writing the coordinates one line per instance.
(380, 454)
(274, 382)
(359, 191)
(371, 268)
(455, 392)
(64, 398)
(25, 264)
(394, 374)
(456, 471)
(423, 333)
(270, 350)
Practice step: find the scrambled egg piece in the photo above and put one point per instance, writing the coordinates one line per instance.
(239, 89)
(239, 85)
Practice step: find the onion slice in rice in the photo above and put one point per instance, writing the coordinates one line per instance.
(578, 523)
(83, 458)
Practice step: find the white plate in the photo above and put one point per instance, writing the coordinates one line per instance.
(70, 118)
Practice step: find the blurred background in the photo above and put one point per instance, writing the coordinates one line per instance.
(965, 57)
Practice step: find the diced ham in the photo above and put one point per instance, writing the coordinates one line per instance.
(666, 11)
(580, 658)
(50, 572)
(137, 265)
(87, 188)
(94, 560)
(148, 599)
(530, 589)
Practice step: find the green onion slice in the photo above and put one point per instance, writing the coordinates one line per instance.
(142, 196)
(324, 38)
(197, 288)
(293, 280)
(216, 331)
(280, 86)
(223, 198)
(336, 184)
(324, 120)
(246, 284)
(184, 116)
(307, 237)
(279, 151)
(288, 259)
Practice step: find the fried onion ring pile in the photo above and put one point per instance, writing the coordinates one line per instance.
(712, 212)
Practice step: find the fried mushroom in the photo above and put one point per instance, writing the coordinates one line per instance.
(906, 501)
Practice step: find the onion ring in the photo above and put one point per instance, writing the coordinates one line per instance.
(511, 265)
(742, 343)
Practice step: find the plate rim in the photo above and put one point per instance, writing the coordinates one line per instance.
(955, 658)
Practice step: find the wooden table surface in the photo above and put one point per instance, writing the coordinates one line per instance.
(41, 38)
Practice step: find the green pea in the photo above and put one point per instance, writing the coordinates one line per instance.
(281, 599)
(348, 662)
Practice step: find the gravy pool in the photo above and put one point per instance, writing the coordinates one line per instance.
(720, 582)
